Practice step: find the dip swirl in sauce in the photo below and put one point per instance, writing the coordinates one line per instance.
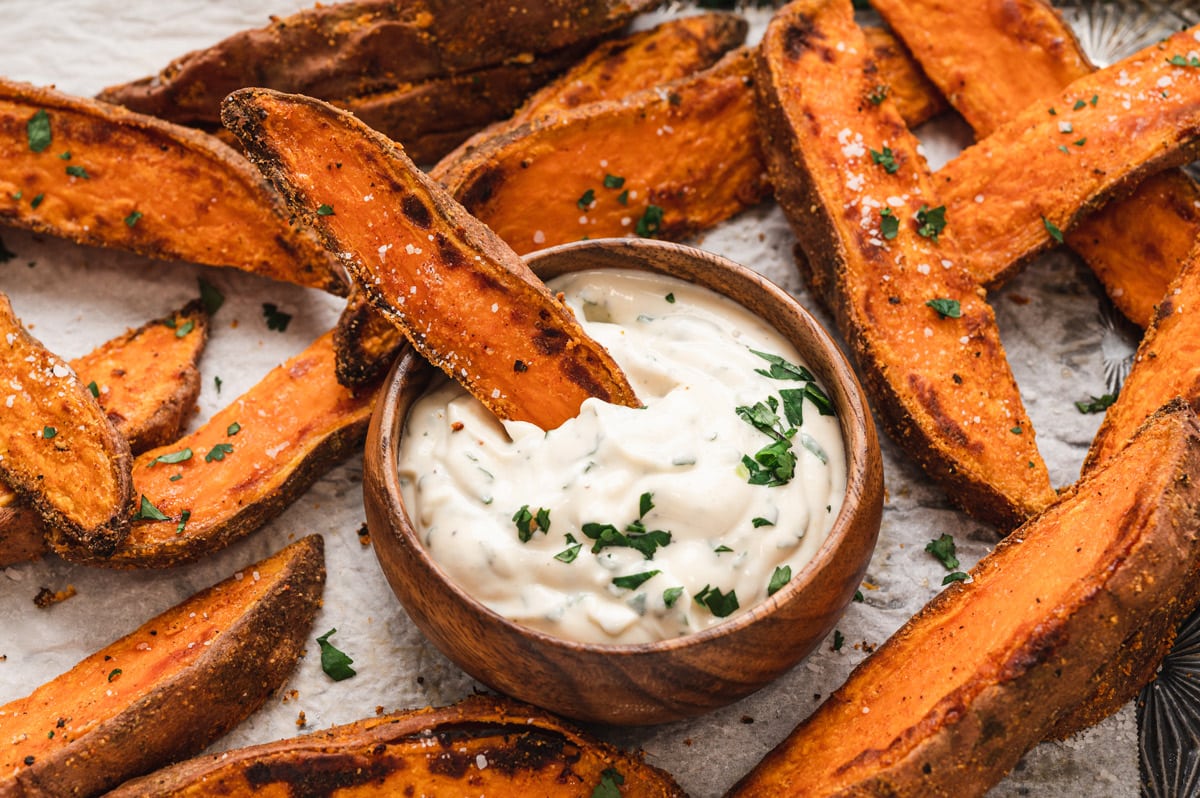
(633, 525)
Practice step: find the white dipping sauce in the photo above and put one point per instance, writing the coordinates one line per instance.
(688, 353)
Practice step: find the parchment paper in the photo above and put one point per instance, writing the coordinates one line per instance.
(73, 298)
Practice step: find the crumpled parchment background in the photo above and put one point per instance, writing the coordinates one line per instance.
(73, 298)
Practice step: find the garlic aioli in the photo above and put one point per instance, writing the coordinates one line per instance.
(475, 486)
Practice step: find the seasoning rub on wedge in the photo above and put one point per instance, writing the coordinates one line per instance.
(59, 452)
(170, 687)
(1040, 633)
(465, 300)
(881, 251)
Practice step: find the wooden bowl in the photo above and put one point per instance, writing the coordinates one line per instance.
(653, 682)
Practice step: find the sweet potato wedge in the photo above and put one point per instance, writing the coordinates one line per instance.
(103, 176)
(357, 48)
(917, 324)
(170, 687)
(365, 342)
(483, 745)
(954, 698)
(146, 382)
(1090, 142)
(916, 97)
(465, 300)
(1167, 364)
(1134, 245)
(58, 450)
(244, 465)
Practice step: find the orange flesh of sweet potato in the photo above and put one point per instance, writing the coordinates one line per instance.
(1134, 245)
(689, 149)
(170, 687)
(953, 699)
(480, 746)
(1041, 171)
(247, 463)
(942, 384)
(1167, 364)
(356, 48)
(137, 183)
(58, 450)
(466, 301)
(913, 94)
(146, 383)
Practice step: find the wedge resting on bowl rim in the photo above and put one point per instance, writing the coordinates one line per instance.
(876, 248)
(465, 300)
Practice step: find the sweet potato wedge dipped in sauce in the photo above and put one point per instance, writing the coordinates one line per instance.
(880, 254)
(146, 382)
(1016, 192)
(246, 464)
(1136, 244)
(351, 49)
(483, 745)
(1167, 365)
(169, 688)
(955, 697)
(59, 452)
(465, 300)
(104, 176)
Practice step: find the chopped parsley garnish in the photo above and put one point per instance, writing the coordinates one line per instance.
(217, 383)
(586, 200)
(878, 94)
(1053, 230)
(569, 554)
(94, 389)
(1095, 99)
(325, 210)
(645, 504)
(1079, 104)
(957, 576)
(183, 519)
(276, 318)
(946, 308)
(527, 523)
(610, 784)
(233, 429)
(185, 328)
(719, 604)
(173, 457)
(635, 536)
(634, 581)
(49, 432)
(670, 298)
(623, 197)
(36, 201)
(1080, 142)
(671, 595)
(810, 443)
(722, 549)
(1096, 404)
(149, 512)
(78, 171)
(114, 674)
(931, 221)
(886, 159)
(133, 218)
(889, 224)
(38, 130)
(943, 549)
(335, 663)
(650, 222)
(781, 369)
(761, 522)
(1016, 430)
(839, 640)
(211, 296)
(1184, 61)
(64, 156)
(613, 181)
(773, 465)
(218, 452)
(859, 597)
(782, 575)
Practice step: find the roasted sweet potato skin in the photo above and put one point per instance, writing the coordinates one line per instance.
(146, 382)
(1134, 245)
(465, 300)
(357, 48)
(169, 688)
(1166, 365)
(1090, 150)
(58, 450)
(952, 700)
(940, 381)
(137, 183)
(481, 745)
(246, 464)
